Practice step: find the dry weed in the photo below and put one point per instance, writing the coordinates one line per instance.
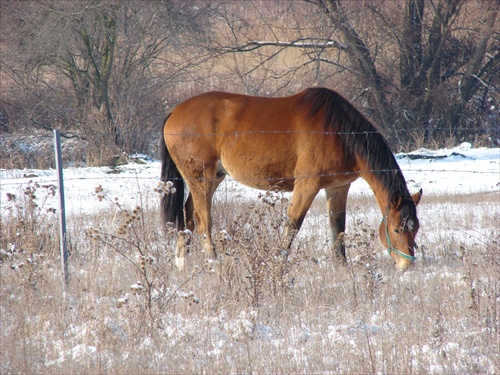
(260, 308)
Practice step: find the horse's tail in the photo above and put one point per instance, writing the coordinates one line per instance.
(172, 204)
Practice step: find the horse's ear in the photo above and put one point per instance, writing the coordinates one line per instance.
(417, 196)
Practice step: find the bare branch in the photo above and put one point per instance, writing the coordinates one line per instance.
(298, 43)
(41, 125)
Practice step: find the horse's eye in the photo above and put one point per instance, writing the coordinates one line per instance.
(397, 230)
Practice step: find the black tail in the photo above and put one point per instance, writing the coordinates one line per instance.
(172, 204)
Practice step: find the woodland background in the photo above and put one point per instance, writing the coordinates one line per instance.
(106, 72)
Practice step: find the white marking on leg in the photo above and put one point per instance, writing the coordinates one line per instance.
(180, 263)
(181, 249)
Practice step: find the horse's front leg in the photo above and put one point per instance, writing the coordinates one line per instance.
(304, 192)
(336, 200)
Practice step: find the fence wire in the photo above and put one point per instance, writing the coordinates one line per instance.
(135, 177)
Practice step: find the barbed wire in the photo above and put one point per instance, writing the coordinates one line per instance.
(277, 179)
(374, 131)
(383, 132)
(252, 132)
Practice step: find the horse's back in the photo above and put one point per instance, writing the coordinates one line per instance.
(227, 112)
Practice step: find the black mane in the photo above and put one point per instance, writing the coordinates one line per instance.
(360, 137)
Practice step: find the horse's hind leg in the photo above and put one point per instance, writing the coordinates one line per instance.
(336, 200)
(184, 236)
(198, 209)
(189, 212)
(201, 204)
(202, 191)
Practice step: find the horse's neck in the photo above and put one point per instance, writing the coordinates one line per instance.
(378, 186)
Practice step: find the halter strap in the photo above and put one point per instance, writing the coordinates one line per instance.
(390, 247)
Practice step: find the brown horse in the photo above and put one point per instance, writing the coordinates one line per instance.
(302, 143)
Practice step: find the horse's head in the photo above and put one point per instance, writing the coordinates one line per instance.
(399, 228)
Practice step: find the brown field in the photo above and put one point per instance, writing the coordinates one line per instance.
(259, 309)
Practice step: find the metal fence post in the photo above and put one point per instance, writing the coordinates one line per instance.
(62, 209)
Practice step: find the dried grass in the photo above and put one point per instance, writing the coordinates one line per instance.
(259, 309)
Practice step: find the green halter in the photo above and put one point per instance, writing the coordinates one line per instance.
(391, 248)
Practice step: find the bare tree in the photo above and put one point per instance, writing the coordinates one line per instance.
(101, 64)
(414, 65)
(425, 65)
(107, 69)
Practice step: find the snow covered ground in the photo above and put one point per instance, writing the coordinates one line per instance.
(438, 318)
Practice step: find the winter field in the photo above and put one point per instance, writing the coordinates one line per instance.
(258, 309)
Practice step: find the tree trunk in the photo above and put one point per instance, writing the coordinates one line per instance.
(474, 75)
(360, 58)
(411, 73)
(433, 58)
(100, 56)
(108, 53)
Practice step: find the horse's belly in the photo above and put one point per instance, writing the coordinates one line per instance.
(258, 176)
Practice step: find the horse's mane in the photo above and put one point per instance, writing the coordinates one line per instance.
(359, 137)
